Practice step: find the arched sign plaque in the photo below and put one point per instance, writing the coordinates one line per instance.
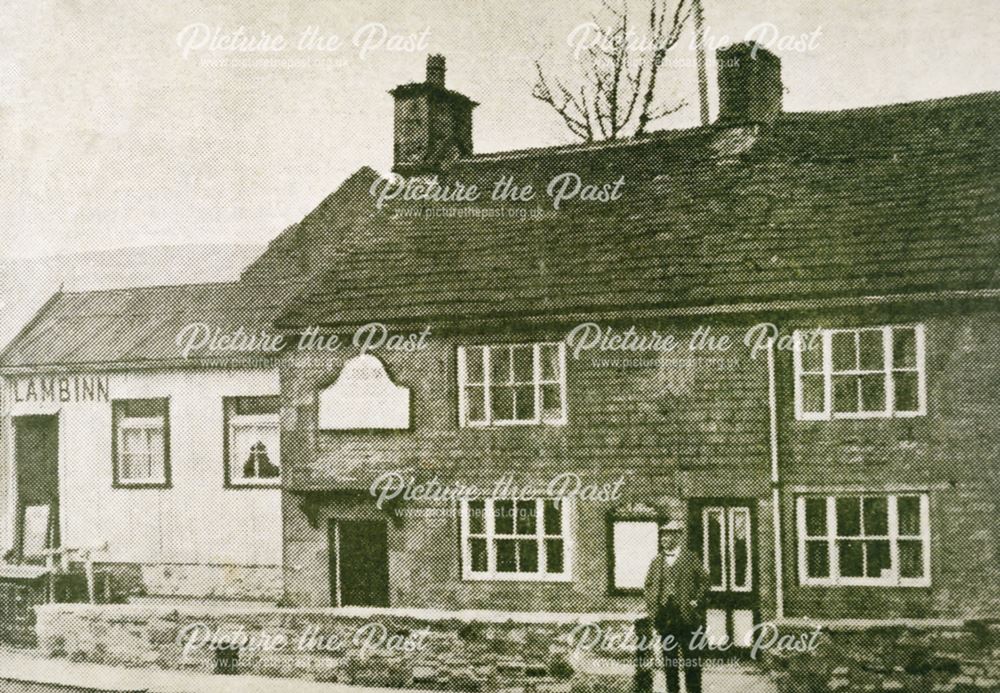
(362, 397)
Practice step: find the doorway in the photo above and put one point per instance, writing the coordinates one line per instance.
(36, 458)
(359, 563)
(723, 533)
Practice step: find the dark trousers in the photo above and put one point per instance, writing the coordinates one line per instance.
(671, 625)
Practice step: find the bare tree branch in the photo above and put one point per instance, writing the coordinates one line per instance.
(616, 86)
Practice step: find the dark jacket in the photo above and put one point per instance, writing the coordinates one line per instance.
(690, 583)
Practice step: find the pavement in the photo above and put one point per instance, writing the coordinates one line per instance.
(26, 672)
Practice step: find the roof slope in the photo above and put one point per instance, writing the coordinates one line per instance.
(871, 201)
(141, 326)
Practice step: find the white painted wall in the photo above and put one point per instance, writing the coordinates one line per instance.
(197, 520)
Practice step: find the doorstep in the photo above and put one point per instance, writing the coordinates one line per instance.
(31, 667)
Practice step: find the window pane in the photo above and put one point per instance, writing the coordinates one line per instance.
(811, 352)
(739, 542)
(911, 559)
(500, 365)
(503, 516)
(907, 395)
(143, 408)
(134, 441)
(474, 365)
(848, 517)
(527, 556)
(817, 559)
(524, 402)
(477, 549)
(845, 393)
(844, 350)
(553, 518)
(873, 392)
(155, 443)
(254, 451)
(477, 517)
(502, 403)
(506, 556)
(904, 347)
(255, 405)
(551, 401)
(551, 365)
(524, 363)
(815, 517)
(876, 517)
(851, 558)
(877, 557)
(872, 350)
(908, 508)
(475, 398)
(526, 517)
(554, 557)
(813, 393)
(713, 550)
(259, 463)
(134, 466)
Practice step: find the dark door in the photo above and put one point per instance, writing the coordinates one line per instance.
(36, 455)
(723, 533)
(359, 563)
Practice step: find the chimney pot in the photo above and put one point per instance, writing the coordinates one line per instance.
(750, 88)
(435, 70)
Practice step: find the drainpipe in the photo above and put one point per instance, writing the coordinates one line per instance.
(699, 37)
(772, 401)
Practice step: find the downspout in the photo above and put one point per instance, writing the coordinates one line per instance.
(699, 34)
(772, 401)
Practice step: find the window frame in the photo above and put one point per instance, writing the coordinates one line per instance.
(489, 533)
(727, 548)
(120, 423)
(888, 372)
(537, 382)
(231, 422)
(832, 537)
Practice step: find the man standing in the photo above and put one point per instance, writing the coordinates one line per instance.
(675, 601)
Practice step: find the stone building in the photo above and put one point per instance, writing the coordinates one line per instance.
(844, 468)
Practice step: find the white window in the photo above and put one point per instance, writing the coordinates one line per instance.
(860, 373)
(141, 442)
(516, 539)
(253, 441)
(512, 384)
(634, 544)
(864, 540)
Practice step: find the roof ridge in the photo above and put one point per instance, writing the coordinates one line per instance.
(676, 133)
(148, 287)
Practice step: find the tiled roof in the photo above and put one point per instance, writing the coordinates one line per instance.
(140, 326)
(874, 201)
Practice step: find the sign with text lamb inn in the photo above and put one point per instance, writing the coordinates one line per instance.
(64, 388)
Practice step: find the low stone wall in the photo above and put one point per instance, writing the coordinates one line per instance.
(924, 657)
(470, 651)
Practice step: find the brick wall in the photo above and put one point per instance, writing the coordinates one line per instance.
(683, 424)
(952, 454)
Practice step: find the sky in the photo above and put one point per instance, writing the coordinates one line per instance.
(125, 123)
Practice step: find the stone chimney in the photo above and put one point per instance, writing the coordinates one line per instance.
(432, 125)
(750, 88)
